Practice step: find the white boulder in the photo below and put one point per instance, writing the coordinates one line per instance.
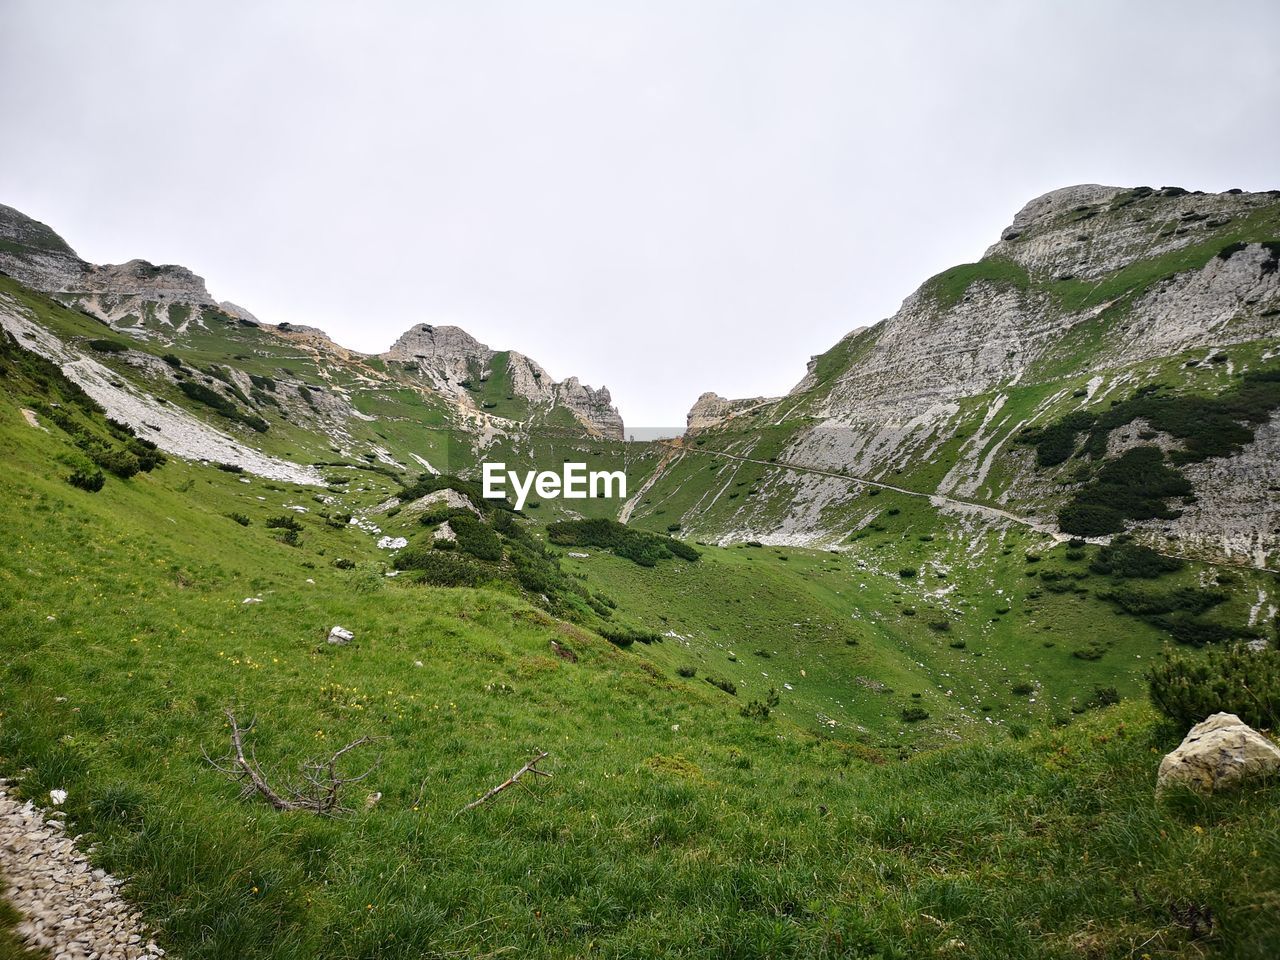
(1219, 752)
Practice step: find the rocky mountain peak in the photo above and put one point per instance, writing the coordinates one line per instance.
(1049, 205)
(425, 341)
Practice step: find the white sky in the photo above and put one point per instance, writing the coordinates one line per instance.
(663, 197)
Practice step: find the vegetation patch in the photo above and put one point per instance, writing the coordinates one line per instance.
(1233, 679)
(638, 546)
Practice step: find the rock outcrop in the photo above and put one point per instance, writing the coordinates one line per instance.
(166, 301)
(711, 409)
(454, 363)
(1081, 302)
(1217, 753)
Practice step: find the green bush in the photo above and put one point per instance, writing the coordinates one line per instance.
(913, 714)
(285, 521)
(87, 478)
(906, 573)
(686, 672)
(239, 518)
(173, 360)
(625, 636)
(108, 346)
(1233, 679)
(440, 569)
(638, 546)
(122, 463)
(475, 537)
(728, 686)
(1126, 560)
(221, 405)
(760, 709)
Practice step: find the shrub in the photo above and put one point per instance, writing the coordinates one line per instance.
(638, 546)
(122, 463)
(87, 478)
(239, 518)
(285, 521)
(1022, 688)
(475, 537)
(686, 672)
(728, 686)
(1103, 697)
(913, 714)
(1233, 680)
(906, 573)
(173, 360)
(342, 563)
(625, 636)
(439, 569)
(760, 709)
(221, 405)
(108, 346)
(1125, 560)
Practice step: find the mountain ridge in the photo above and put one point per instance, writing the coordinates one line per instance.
(139, 297)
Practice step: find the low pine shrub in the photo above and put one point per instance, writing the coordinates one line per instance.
(87, 478)
(728, 686)
(1232, 679)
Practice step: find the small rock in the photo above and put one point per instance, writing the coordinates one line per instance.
(251, 600)
(58, 797)
(392, 543)
(340, 635)
(1219, 752)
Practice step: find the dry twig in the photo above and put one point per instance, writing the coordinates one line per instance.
(530, 767)
(323, 783)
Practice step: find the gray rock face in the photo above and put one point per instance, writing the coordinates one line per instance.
(954, 357)
(593, 407)
(451, 360)
(33, 254)
(711, 409)
(1218, 753)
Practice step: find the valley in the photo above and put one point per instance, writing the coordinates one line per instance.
(866, 670)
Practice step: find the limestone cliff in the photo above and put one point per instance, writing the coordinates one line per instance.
(1091, 293)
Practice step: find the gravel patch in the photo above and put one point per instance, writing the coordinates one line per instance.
(69, 908)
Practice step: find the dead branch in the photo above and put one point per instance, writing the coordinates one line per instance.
(323, 784)
(530, 767)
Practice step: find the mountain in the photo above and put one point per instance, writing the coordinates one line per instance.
(264, 373)
(845, 685)
(1148, 319)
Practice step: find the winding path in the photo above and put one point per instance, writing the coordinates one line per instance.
(936, 499)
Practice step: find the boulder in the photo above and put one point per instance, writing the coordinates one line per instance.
(1217, 753)
(340, 635)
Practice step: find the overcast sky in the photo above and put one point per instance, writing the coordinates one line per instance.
(663, 197)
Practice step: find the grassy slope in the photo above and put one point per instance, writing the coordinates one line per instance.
(674, 826)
